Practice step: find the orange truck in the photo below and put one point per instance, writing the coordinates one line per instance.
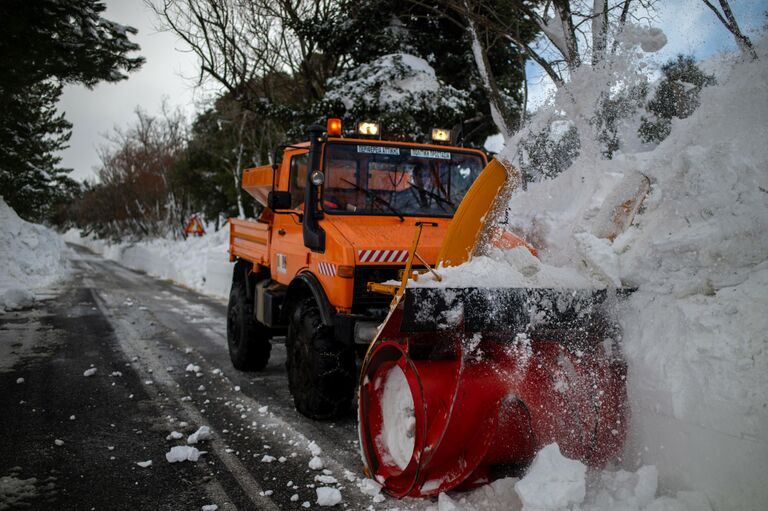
(340, 214)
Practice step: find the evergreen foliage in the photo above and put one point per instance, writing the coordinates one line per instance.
(43, 45)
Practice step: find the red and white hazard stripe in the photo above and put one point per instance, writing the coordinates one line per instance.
(382, 256)
(327, 269)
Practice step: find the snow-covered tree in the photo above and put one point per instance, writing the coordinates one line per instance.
(402, 92)
(43, 45)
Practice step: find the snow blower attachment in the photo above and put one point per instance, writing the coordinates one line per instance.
(460, 381)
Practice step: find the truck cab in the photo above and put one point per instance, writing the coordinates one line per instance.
(339, 213)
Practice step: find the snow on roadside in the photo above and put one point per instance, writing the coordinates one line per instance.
(556, 483)
(31, 256)
(694, 332)
(200, 263)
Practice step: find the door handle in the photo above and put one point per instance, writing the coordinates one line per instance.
(281, 232)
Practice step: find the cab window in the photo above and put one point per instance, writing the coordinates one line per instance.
(298, 179)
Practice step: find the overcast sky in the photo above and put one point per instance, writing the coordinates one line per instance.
(170, 72)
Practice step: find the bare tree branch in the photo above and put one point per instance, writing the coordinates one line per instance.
(729, 20)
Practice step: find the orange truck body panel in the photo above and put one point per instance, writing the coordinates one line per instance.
(352, 241)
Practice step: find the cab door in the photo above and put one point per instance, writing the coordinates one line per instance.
(288, 253)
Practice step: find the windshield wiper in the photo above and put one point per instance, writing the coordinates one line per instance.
(433, 195)
(376, 197)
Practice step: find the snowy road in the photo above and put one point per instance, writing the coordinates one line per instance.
(141, 334)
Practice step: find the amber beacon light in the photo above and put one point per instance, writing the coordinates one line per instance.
(334, 127)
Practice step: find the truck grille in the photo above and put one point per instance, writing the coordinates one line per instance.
(363, 299)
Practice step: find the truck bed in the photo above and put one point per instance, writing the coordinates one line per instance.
(249, 239)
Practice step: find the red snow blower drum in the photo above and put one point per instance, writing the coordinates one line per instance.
(460, 381)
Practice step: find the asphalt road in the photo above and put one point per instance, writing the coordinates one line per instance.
(140, 334)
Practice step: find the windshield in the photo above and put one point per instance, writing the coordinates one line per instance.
(397, 180)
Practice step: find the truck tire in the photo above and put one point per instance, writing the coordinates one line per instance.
(248, 340)
(321, 370)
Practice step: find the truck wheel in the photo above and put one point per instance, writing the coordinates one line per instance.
(321, 370)
(248, 340)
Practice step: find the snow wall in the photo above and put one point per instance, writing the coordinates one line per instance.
(31, 256)
(696, 331)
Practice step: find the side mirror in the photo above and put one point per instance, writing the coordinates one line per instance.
(277, 200)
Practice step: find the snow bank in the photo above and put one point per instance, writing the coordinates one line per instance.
(556, 483)
(695, 332)
(200, 263)
(31, 256)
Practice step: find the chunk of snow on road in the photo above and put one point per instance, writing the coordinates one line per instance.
(71, 417)
(263, 409)
(203, 433)
(15, 299)
(315, 449)
(201, 388)
(316, 463)
(326, 479)
(295, 497)
(209, 507)
(237, 388)
(174, 435)
(144, 464)
(553, 481)
(89, 372)
(116, 374)
(446, 503)
(19, 380)
(282, 459)
(192, 368)
(327, 497)
(268, 459)
(369, 487)
(58, 442)
(183, 453)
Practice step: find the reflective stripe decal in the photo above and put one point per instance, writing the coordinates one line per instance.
(382, 256)
(326, 269)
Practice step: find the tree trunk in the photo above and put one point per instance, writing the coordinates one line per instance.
(499, 110)
(729, 20)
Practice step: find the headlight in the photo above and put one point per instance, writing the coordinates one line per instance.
(441, 135)
(368, 128)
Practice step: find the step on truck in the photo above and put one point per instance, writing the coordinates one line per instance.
(340, 214)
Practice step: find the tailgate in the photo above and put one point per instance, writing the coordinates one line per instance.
(249, 239)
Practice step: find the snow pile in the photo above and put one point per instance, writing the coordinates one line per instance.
(556, 483)
(183, 453)
(507, 268)
(31, 256)
(327, 497)
(552, 481)
(200, 263)
(695, 331)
